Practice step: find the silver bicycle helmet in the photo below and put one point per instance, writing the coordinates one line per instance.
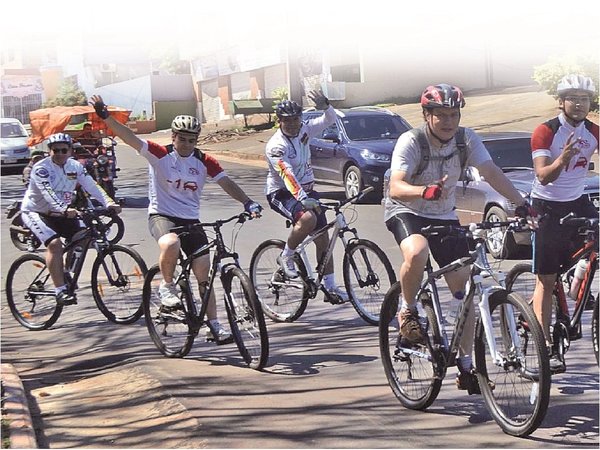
(575, 82)
(186, 124)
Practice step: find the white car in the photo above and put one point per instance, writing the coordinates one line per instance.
(14, 151)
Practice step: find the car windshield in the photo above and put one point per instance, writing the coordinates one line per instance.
(13, 129)
(510, 153)
(369, 128)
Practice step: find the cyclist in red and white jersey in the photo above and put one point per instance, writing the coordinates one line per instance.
(561, 150)
(46, 210)
(291, 180)
(178, 173)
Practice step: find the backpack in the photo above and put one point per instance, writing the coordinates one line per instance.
(419, 134)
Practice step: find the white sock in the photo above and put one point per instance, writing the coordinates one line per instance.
(465, 363)
(329, 281)
(60, 289)
(287, 252)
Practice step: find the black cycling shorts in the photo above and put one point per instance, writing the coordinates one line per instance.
(160, 225)
(285, 204)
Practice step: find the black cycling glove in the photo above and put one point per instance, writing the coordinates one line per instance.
(101, 110)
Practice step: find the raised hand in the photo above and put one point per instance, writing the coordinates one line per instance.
(99, 106)
(321, 102)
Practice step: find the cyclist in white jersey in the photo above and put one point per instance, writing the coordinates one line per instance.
(177, 175)
(290, 183)
(46, 211)
(561, 149)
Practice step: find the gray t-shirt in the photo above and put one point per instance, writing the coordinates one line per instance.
(406, 157)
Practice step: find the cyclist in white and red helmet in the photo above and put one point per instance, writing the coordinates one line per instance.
(420, 195)
(46, 211)
(561, 149)
(178, 173)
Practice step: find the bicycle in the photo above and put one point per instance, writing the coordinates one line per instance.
(173, 329)
(566, 327)
(116, 276)
(367, 271)
(511, 361)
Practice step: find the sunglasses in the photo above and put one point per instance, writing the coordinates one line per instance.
(63, 150)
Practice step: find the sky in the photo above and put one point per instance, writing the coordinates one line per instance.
(204, 25)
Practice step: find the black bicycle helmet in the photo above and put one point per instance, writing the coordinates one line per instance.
(288, 108)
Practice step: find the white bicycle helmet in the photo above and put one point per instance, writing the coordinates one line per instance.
(60, 138)
(575, 82)
(186, 124)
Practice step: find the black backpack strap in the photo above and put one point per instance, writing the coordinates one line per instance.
(588, 125)
(198, 154)
(462, 148)
(419, 134)
(170, 148)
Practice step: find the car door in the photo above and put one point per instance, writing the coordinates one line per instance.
(471, 196)
(323, 152)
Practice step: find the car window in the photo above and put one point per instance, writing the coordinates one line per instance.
(330, 130)
(13, 129)
(375, 127)
(510, 153)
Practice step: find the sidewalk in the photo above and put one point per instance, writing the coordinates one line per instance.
(15, 410)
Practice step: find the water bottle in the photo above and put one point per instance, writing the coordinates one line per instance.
(454, 308)
(75, 257)
(580, 270)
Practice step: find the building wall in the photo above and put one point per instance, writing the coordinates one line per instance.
(275, 77)
(241, 86)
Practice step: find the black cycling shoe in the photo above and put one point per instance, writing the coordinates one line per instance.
(64, 298)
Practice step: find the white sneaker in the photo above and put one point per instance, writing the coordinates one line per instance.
(168, 294)
(288, 266)
(218, 334)
(337, 295)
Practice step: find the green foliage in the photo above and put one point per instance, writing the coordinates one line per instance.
(280, 94)
(68, 94)
(549, 74)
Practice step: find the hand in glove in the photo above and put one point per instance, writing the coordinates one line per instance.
(253, 208)
(311, 204)
(99, 106)
(321, 102)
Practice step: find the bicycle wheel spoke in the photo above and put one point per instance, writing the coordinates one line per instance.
(117, 282)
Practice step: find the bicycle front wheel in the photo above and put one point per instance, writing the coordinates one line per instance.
(521, 279)
(512, 368)
(282, 299)
(30, 293)
(117, 282)
(368, 275)
(170, 329)
(412, 371)
(595, 329)
(246, 318)
(115, 228)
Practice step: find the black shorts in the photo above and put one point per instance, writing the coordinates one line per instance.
(160, 225)
(553, 244)
(406, 224)
(285, 204)
(46, 228)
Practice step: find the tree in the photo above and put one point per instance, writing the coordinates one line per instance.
(68, 94)
(549, 74)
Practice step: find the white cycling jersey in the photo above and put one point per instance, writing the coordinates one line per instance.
(176, 182)
(289, 157)
(51, 187)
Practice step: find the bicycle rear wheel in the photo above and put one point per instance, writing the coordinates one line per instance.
(282, 299)
(515, 378)
(246, 318)
(117, 282)
(412, 372)
(368, 275)
(30, 293)
(170, 329)
(521, 279)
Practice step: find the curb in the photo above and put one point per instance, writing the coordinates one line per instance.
(16, 409)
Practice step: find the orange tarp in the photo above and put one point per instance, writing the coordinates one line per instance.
(47, 121)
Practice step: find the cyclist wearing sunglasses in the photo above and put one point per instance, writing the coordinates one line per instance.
(46, 211)
(561, 150)
(178, 173)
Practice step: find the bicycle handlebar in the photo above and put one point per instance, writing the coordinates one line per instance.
(573, 220)
(517, 224)
(241, 218)
(338, 204)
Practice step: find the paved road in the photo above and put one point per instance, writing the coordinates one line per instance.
(95, 384)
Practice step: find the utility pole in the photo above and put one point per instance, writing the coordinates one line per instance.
(294, 79)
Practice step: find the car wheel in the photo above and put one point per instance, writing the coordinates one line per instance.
(352, 181)
(495, 236)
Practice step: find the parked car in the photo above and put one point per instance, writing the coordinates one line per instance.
(356, 151)
(476, 200)
(14, 151)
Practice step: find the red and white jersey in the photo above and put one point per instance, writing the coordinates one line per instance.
(548, 140)
(176, 182)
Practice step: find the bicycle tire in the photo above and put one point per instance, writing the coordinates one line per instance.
(415, 380)
(521, 279)
(282, 300)
(515, 388)
(595, 330)
(246, 318)
(117, 293)
(375, 277)
(171, 331)
(26, 275)
(19, 239)
(115, 228)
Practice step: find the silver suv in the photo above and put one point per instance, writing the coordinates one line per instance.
(14, 151)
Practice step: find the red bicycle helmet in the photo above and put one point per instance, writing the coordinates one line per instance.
(442, 96)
